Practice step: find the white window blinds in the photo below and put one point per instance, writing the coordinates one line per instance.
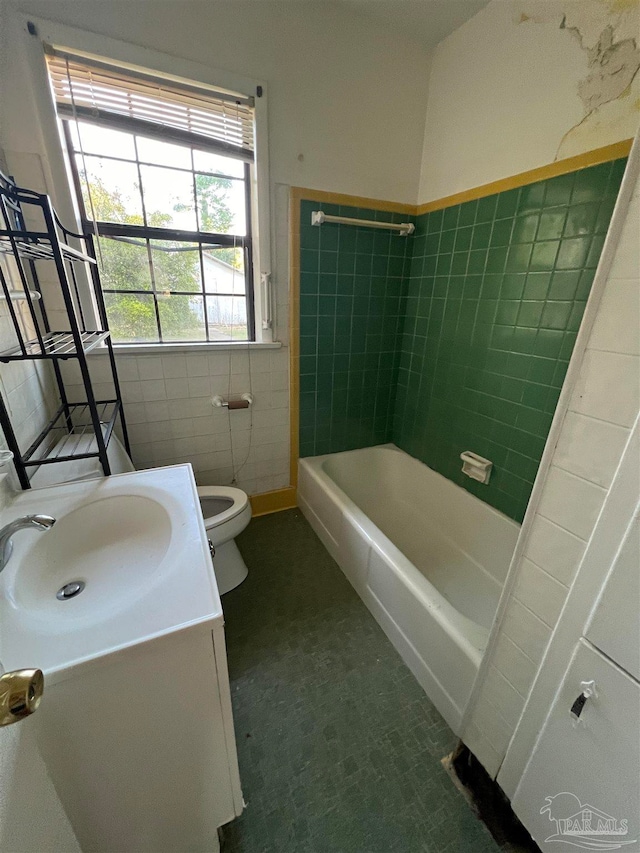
(128, 100)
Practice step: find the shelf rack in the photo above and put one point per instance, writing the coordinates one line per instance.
(75, 269)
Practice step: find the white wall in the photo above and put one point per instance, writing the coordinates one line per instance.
(342, 90)
(346, 113)
(31, 816)
(603, 407)
(513, 89)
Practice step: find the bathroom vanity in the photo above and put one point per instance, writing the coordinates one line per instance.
(135, 725)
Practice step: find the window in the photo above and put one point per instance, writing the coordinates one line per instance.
(163, 174)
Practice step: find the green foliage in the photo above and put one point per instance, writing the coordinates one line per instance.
(211, 195)
(125, 264)
(214, 215)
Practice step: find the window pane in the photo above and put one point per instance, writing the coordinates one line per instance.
(205, 161)
(168, 198)
(124, 265)
(113, 194)
(132, 317)
(182, 318)
(227, 317)
(221, 205)
(224, 270)
(176, 266)
(102, 140)
(163, 153)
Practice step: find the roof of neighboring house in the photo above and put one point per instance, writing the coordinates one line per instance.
(218, 262)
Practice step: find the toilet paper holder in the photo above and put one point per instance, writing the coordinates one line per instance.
(243, 403)
(475, 466)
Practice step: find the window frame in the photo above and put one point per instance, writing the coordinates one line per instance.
(34, 88)
(147, 233)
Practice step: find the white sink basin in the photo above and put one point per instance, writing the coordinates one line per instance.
(112, 545)
(136, 545)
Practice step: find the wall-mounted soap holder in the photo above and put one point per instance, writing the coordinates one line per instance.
(476, 467)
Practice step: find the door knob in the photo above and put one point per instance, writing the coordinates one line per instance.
(20, 694)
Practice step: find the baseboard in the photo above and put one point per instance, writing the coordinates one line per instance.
(275, 501)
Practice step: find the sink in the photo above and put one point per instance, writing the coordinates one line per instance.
(112, 546)
(135, 726)
(136, 545)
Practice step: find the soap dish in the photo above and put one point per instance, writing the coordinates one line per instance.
(476, 467)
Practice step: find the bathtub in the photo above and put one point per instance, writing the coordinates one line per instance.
(427, 558)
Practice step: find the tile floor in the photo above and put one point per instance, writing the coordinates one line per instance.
(339, 747)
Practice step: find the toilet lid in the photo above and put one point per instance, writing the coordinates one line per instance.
(221, 503)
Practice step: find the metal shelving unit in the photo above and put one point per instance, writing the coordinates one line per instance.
(74, 268)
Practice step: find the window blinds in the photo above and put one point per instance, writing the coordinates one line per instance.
(128, 100)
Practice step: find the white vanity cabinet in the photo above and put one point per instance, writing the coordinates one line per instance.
(140, 745)
(582, 784)
(615, 624)
(135, 724)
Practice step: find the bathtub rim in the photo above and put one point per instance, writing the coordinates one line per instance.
(447, 484)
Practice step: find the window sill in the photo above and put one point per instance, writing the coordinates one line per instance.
(154, 349)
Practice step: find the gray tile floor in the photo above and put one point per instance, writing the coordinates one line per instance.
(339, 747)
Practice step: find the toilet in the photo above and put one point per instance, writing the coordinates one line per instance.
(226, 510)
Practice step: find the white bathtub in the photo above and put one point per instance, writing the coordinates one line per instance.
(427, 558)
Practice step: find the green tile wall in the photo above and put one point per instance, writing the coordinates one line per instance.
(497, 290)
(457, 338)
(352, 304)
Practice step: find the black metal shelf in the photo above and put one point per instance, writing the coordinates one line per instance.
(76, 430)
(38, 247)
(54, 345)
(75, 423)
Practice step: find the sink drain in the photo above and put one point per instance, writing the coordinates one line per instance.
(70, 590)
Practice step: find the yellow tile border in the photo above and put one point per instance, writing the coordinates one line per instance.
(294, 335)
(542, 173)
(275, 501)
(297, 194)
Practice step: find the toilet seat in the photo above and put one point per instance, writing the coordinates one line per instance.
(239, 503)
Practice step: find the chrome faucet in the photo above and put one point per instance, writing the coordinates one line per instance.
(38, 522)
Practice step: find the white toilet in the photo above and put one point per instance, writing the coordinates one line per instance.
(226, 510)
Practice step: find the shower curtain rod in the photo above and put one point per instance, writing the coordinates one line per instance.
(403, 228)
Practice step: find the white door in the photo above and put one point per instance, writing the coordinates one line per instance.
(581, 787)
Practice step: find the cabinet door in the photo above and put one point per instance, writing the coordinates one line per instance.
(581, 787)
(615, 626)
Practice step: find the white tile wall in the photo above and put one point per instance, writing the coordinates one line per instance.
(602, 409)
(539, 592)
(601, 391)
(554, 548)
(27, 389)
(529, 633)
(167, 400)
(571, 501)
(590, 448)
